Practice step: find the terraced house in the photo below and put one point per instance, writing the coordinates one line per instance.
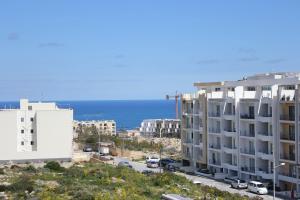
(239, 128)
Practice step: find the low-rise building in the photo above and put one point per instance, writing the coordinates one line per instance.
(160, 128)
(107, 127)
(35, 132)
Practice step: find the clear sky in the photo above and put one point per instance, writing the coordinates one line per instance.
(94, 50)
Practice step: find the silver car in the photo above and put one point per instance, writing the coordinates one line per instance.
(238, 184)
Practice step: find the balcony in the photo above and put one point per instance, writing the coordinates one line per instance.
(247, 116)
(287, 137)
(265, 174)
(229, 149)
(214, 162)
(288, 157)
(248, 151)
(247, 134)
(248, 169)
(265, 155)
(287, 117)
(214, 130)
(250, 95)
(288, 177)
(214, 114)
(229, 132)
(265, 137)
(215, 146)
(230, 165)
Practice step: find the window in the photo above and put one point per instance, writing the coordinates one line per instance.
(31, 119)
(31, 131)
(289, 87)
(29, 107)
(217, 89)
(22, 143)
(231, 89)
(32, 142)
(250, 89)
(266, 87)
(22, 131)
(22, 119)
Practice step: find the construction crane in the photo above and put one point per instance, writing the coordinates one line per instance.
(176, 97)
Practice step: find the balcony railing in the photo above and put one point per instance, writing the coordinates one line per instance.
(214, 130)
(214, 162)
(287, 136)
(248, 169)
(247, 134)
(248, 151)
(247, 116)
(215, 146)
(265, 134)
(265, 115)
(229, 113)
(289, 174)
(214, 114)
(229, 130)
(287, 117)
(229, 147)
(288, 157)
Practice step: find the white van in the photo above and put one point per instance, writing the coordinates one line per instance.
(152, 158)
(257, 187)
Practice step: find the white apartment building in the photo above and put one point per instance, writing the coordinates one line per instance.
(107, 127)
(35, 132)
(160, 128)
(246, 126)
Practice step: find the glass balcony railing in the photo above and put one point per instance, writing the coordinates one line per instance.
(247, 116)
(287, 117)
(288, 157)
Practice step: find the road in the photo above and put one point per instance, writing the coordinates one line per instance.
(203, 180)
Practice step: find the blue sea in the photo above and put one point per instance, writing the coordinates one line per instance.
(127, 113)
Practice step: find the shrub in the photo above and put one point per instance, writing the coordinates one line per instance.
(30, 168)
(23, 183)
(2, 171)
(55, 166)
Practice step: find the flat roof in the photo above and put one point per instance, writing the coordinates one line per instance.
(208, 84)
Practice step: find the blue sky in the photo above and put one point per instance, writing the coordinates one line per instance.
(93, 50)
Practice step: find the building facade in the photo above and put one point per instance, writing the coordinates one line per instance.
(34, 132)
(160, 128)
(107, 127)
(247, 126)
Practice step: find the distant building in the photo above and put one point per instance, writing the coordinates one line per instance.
(36, 131)
(107, 127)
(160, 128)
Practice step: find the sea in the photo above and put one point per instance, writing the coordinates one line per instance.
(128, 114)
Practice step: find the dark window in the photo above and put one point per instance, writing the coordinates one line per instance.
(29, 107)
(217, 89)
(22, 131)
(22, 143)
(32, 142)
(31, 119)
(251, 89)
(22, 119)
(31, 131)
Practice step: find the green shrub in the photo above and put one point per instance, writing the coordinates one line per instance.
(23, 183)
(2, 171)
(30, 168)
(55, 166)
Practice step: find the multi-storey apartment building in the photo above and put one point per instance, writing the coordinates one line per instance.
(160, 128)
(107, 127)
(34, 132)
(247, 126)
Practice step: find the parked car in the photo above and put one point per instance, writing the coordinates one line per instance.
(257, 187)
(238, 184)
(153, 158)
(87, 149)
(165, 161)
(203, 172)
(152, 164)
(124, 164)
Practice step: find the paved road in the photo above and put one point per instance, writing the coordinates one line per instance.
(223, 186)
(203, 180)
(136, 165)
